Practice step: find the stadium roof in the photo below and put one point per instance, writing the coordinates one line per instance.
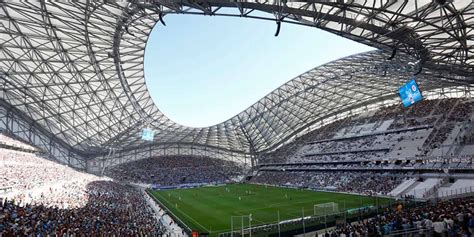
(75, 69)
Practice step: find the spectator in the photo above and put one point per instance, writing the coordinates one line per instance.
(174, 170)
(47, 198)
(415, 219)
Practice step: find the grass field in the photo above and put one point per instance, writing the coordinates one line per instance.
(209, 209)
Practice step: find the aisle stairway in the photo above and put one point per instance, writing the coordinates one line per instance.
(419, 190)
(396, 192)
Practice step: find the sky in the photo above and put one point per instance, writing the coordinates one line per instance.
(203, 70)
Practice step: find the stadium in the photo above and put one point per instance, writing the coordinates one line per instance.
(379, 143)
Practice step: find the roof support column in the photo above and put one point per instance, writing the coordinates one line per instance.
(253, 152)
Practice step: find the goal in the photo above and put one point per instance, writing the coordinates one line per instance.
(325, 208)
(240, 226)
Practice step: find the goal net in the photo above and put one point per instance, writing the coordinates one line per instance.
(325, 208)
(240, 226)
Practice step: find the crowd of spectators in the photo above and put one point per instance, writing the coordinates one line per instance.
(357, 148)
(412, 122)
(110, 209)
(175, 170)
(47, 198)
(289, 150)
(344, 145)
(388, 112)
(445, 105)
(421, 109)
(342, 181)
(452, 111)
(445, 218)
(370, 147)
(442, 114)
(406, 117)
(462, 112)
(40, 197)
(24, 170)
(437, 136)
(434, 164)
(352, 156)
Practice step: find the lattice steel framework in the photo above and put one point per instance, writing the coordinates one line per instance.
(75, 69)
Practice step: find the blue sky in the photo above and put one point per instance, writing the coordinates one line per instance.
(202, 70)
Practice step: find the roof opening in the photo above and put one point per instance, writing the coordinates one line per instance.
(203, 70)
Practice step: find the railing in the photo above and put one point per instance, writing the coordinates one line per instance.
(386, 149)
(456, 144)
(433, 190)
(456, 192)
(410, 232)
(16, 148)
(371, 134)
(310, 222)
(403, 187)
(6, 189)
(416, 192)
(468, 130)
(360, 168)
(433, 159)
(432, 135)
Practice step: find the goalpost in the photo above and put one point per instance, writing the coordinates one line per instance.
(325, 208)
(241, 225)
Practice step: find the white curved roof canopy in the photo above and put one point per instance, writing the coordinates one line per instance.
(76, 68)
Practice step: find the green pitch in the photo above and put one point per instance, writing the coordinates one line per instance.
(209, 209)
